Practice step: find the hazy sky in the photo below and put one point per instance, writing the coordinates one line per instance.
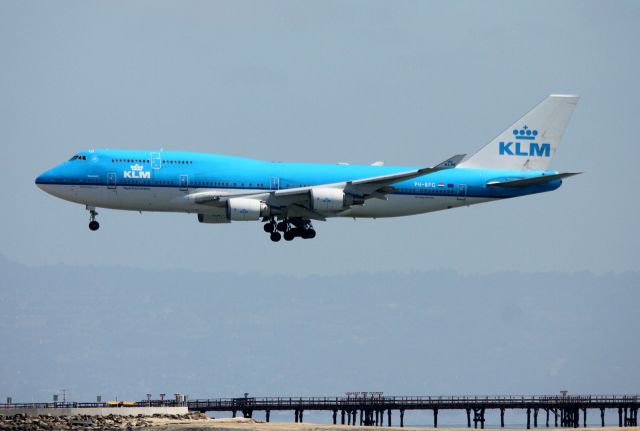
(408, 83)
(349, 81)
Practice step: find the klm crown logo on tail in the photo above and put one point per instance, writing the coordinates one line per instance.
(524, 145)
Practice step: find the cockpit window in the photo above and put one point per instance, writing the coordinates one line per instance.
(78, 157)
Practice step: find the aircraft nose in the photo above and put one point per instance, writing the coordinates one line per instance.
(43, 179)
(40, 180)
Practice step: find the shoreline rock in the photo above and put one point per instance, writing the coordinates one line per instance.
(21, 422)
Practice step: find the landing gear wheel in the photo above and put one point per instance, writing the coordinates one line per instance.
(275, 236)
(269, 227)
(282, 226)
(289, 235)
(93, 224)
(309, 234)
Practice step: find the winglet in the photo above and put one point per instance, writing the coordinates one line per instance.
(450, 163)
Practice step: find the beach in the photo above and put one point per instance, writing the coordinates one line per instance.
(242, 424)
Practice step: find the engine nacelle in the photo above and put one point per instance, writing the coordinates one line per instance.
(326, 199)
(242, 209)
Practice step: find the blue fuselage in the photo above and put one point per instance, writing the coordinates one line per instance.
(187, 171)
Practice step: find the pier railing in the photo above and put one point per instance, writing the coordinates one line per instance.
(329, 403)
(413, 402)
(566, 409)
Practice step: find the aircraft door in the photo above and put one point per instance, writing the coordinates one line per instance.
(111, 180)
(462, 192)
(156, 160)
(184, 182)
(275, 183)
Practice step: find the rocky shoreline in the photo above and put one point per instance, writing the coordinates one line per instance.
(22, 422)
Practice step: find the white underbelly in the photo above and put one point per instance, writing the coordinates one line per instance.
(172, 199)
(403, 205)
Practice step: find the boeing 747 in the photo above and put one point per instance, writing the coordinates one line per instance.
(287, 197)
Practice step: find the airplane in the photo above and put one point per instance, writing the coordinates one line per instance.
(287, 197)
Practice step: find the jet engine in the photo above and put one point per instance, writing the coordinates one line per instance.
(327, 199)
(242, 209)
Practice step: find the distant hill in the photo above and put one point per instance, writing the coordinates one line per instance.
(125, 332)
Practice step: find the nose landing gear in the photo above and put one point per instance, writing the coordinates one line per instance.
(93, 224)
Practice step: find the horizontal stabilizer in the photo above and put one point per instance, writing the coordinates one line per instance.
(531, 181)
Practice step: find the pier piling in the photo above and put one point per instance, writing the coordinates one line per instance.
(547, 420)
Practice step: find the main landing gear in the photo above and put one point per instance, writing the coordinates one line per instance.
(270, 228)
(290, 227)
(93, 224)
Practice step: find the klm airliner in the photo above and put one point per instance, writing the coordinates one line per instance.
(287, 197)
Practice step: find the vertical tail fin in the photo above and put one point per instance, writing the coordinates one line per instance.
(531, 142)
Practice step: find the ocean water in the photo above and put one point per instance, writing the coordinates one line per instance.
(446, 418)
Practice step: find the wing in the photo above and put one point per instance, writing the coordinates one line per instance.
(372, 186)
(296, 200)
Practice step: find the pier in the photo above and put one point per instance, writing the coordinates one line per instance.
(373, 409)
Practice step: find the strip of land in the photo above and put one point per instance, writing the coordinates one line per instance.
(242, 424)
(200, 422)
